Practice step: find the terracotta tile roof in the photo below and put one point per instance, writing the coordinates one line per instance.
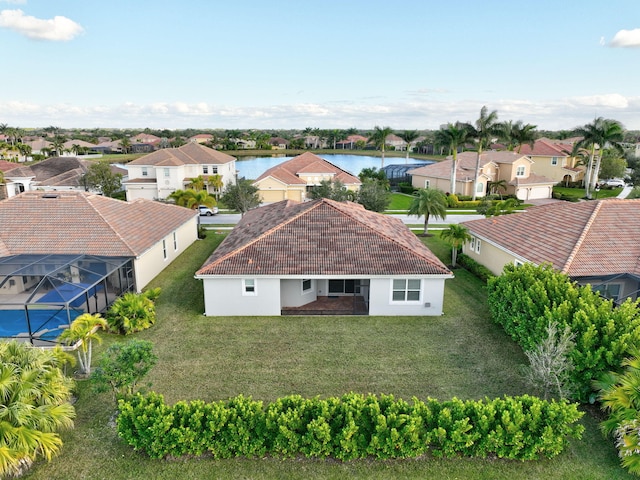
(542, 147)
(532, 179)
(287, 172)
(592, 238)
(60, 171)
(188, 154)
(78, 222)
(322, 237)
(6, 166)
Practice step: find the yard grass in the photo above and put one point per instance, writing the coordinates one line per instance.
(460, 354)
(579, 192)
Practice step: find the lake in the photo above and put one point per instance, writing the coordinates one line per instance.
(253, 167)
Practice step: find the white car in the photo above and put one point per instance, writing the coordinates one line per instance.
(208, 211)
(614, 182)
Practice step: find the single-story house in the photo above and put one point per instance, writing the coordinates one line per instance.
(292, 179)
(593, 242)
(516, 170)
(67, 253)
(159, 174)
(54, 173)
(309, 257)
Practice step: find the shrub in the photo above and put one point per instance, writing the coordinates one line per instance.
(452, 200)
(406, 188)
(353, 426)
(479, 270)
(133, 312)
(525, 299)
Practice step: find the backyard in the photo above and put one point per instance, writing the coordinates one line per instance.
(459, 354)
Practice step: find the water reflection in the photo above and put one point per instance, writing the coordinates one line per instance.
(253, 167)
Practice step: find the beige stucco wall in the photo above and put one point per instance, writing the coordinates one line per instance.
(147, 191)
(489, 255)
(462, 188)
(152, 262)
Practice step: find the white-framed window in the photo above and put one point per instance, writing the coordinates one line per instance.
(520, 171)
(406, 290)
(554, 161)
(480, 187)
(478, 245)
(214, 170)
(306, 285)
(472, 244)
(427, 183)
(145, 171)
(249, 287)
(167, 172)
(175, 241)
(205, 169)
(164, 249)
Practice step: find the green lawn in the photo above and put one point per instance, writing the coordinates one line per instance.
(579, 192)
(458, 354)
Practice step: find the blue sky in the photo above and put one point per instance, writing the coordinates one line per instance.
(408, 64)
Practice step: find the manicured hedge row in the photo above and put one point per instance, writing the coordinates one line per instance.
(353, 426)
(479, 270)
(525, 299)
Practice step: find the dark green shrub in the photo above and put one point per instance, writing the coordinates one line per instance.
(479, 270)
(406, 188)
(452, 200)
(525, 299)
(133, 312)
(353, 426)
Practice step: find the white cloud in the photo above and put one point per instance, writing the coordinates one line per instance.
(550, 114)
(626, 38)
(55, 29)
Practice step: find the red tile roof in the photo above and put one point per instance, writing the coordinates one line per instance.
(188, 154)
(545, 148)
(287, 172)
(466, 165)
(322, 237)
(83, 223)
(582, 239)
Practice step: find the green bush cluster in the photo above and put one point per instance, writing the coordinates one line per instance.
(350, 427)
(525, 299)
(566, 197)
(479, 270)
(406, 188)
(133, 312)
(468, 203)
(452, 200)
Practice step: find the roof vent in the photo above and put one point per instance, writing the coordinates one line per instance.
(50, 195)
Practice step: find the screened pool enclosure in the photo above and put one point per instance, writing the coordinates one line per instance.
(40, 295)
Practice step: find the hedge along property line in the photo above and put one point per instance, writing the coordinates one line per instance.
(526, 298)
(350, 427)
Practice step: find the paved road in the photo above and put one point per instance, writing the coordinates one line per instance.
(233, 218)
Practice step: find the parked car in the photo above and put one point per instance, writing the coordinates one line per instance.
(208, 211)
(614, 183)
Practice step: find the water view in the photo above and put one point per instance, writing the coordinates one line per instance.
(253, 167)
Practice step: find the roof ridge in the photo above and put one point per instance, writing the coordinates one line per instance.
(582, 237)
(107, 222)
(262, 235)
(383, 234)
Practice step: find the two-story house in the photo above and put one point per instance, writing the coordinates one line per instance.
(513, 168)
(553, 160)
(157, 175)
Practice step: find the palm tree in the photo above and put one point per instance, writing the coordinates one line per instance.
(215, 181)
(497, 185)
(408, 136)
(486, 127)
(197, 183)
(379, 139)
(34, 394)
(598, 134)
(84, 329)
(452, 137)
(456, 235)
(125, 144)
(428, 202)
(524, 134)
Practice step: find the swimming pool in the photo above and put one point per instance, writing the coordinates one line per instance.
(46, 324)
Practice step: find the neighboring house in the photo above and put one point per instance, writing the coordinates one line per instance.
(245, 144)
(293, 179)
(351, 141)
(515, 169)
(157, 175)
(593, 242)
(66, 253)
(396, 142)
(70, 145)
(554, 161)
(38, 145)
(278, 143)
(290, 257)
(108, 146)
(201, 138)
(55, 173)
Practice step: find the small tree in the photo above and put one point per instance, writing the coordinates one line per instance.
(243, 196)
(428, 202)
(374, 196)
(456, 235)
(100, 177)
(549, 363)
(84, 329)
(331, 189)
(123, 366)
